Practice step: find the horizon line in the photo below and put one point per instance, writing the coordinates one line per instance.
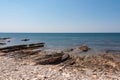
(59, 32)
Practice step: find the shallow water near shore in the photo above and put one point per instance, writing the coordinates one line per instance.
(99, 41)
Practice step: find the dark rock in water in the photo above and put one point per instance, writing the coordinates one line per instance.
(21, 47)
(5, 38)
(8, 41)
(25, 39)
(52, 58)
(2, 43)
(36, 45)
(84, 48)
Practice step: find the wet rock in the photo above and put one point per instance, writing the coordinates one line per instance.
(25, 39)
(8, 41)
(84, 48)
(21, 47)
(36, 45)
(5, 38)
(2, 43)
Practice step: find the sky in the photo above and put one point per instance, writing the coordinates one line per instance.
(60, 16)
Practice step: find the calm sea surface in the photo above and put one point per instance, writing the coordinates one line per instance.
(66, 40)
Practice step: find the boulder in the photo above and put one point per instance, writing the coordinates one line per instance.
(25, 39)
(84, 48)
(8, 41)
(54, 58)
(51, 60)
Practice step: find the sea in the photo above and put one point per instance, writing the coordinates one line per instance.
(99, 41)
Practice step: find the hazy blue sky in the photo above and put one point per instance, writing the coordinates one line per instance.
(59, 15)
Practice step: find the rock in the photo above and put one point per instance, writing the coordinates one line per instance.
(5, 38)
(112, 51)
(8, 41)
(68, 50)
(84, 48)
(66, 74)
(2, 43)
(52, 60)
(94, 76)
(36, 45)
(21, 47)
(113, 64)
(65, 57)
(2, 54)
(55, 58)
(25, 39)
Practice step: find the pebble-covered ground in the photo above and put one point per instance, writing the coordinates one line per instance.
(12, 69)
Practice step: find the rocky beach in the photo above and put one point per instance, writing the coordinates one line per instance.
(59, 39)
(33, 62)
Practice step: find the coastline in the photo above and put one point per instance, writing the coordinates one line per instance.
(79, 66)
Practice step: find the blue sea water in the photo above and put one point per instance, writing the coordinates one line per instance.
(66, 40)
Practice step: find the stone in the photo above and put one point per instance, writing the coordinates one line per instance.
(25, 39)
(21, 47)
(66, 74)
(65, 57)
(68, 50)
(8, 41)
(5, 38)
(94, 76)
(54, 58)
(84, 48)
(2, 43)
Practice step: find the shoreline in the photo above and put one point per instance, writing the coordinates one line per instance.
(79, 65)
